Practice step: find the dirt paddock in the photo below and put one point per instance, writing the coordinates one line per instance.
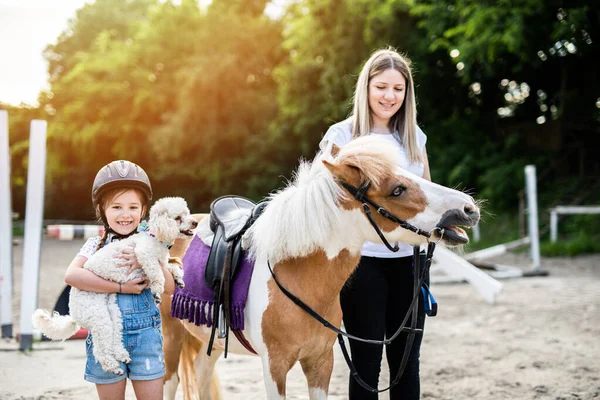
(541, 340)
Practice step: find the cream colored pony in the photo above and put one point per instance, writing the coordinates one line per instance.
(311, 233)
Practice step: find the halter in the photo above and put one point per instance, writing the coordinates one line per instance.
(420, 273)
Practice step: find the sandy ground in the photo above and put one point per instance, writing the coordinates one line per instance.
(541, 340)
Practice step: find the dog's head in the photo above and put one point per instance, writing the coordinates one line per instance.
(170, 218)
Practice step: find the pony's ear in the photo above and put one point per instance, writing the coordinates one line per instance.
(335, 149)
(344, 172)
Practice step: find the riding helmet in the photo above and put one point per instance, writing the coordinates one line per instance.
(121, 173)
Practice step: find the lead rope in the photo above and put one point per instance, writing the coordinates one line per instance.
(419, 278)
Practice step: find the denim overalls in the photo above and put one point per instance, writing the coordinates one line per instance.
(142, 337)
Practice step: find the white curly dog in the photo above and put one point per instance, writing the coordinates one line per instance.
(99, 312)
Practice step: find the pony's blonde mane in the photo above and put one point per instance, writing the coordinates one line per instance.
(299, 217)
(303, 216)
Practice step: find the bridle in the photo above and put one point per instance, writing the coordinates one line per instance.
(420, 273)
(360, 195)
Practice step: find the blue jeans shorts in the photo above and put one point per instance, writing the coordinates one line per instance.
(142, 337)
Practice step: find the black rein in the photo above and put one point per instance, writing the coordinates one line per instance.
(420, 274)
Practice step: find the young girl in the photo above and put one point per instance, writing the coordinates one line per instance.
(121, 195)
(378, 295)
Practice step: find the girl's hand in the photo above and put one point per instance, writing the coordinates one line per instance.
(130, 258)
(134, 286)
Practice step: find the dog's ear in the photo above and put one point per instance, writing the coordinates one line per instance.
(166, 229)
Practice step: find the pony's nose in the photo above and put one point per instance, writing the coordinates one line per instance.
(472, 211)
(194, 224)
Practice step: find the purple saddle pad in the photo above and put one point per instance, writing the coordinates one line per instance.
(195, 302)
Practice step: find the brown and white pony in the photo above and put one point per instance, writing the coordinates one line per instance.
(311, 233)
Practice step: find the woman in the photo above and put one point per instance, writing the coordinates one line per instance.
(378, 295)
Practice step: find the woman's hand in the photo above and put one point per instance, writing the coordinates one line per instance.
(134, 286)
(129, 257)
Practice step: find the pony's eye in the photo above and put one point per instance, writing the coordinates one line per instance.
(398, 190)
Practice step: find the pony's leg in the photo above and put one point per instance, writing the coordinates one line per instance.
(172, 329)
(274, 376)
(318, 374)
(174, 348)
(190, 351)
(204, 367)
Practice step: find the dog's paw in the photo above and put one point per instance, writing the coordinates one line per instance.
(123, 357)
(157, 298)
(114, 367)
(180, 284)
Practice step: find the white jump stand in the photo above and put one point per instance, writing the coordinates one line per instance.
(571, 210)
(457, 268)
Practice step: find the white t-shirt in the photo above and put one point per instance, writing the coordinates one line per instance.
(90, 246)
(340, 134)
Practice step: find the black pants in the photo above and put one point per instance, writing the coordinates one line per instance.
(374, 301)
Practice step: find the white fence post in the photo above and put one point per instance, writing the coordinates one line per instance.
(553, 225)
(531, 184)
(476, 233)
(34, 212)
(6, 257)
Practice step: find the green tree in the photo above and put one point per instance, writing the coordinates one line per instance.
(324, 43)
(502, 85)
(115, 92)
(224, 100)
(213, 142)
(119, 17)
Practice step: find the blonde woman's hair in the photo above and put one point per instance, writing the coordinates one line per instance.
(405, 120)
